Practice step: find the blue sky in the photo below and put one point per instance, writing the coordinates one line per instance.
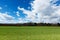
(11, 6)
(21, 11)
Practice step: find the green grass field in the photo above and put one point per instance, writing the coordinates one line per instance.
(29, 33)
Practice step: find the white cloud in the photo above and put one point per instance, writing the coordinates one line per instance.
(21, 20)
(30, 14)
(43, 11)
(57, 12)
(5, 18)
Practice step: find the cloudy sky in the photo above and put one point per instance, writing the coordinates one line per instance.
(23, 11)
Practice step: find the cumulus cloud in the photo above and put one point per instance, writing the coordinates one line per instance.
(30, 14)
(5, 18)
(21, 20)
(43, 11)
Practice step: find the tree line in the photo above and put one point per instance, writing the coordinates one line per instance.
(32, 24)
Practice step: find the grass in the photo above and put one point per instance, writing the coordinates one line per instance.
(29, 33)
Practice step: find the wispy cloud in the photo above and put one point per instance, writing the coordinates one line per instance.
(17, 13)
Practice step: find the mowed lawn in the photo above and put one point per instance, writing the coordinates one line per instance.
(29, 33)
